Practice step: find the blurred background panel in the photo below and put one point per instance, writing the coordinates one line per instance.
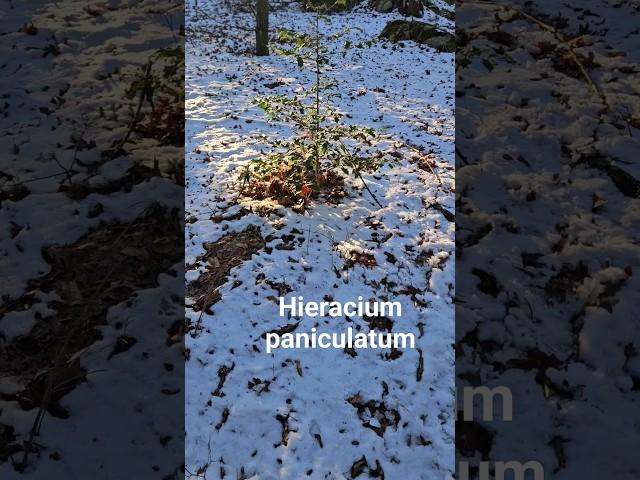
(91, 243)
(547, 230)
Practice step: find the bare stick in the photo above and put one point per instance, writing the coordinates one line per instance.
(567, 43)
(369, 190)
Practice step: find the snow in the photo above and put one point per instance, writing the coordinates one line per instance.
(408, 93)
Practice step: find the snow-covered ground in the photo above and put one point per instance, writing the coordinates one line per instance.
(548, 230)
(65, 70)
(299, 413)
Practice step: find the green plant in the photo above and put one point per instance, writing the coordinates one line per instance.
(323, 145)
(159, 85)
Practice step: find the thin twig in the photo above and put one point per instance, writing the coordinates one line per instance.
(566, 42)
(369, 190)
(36, 179)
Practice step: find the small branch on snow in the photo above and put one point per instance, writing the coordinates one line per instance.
(568, 43)
(369, 190)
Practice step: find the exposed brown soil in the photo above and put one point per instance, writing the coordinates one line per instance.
(103, 268)
(223, 255)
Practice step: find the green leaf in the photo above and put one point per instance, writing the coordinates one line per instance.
(487, 64)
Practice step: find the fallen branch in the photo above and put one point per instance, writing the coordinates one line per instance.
(369, 190)
(568, 44)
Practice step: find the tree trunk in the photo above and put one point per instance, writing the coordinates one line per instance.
(262, 27)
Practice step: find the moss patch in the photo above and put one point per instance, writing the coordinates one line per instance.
(328, 6)
(449, 15)
(419, 32)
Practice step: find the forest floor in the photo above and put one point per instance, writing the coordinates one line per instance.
(318, 413)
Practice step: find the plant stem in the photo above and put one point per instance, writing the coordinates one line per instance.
(369, 190)
(136, 117)
(317, 132)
